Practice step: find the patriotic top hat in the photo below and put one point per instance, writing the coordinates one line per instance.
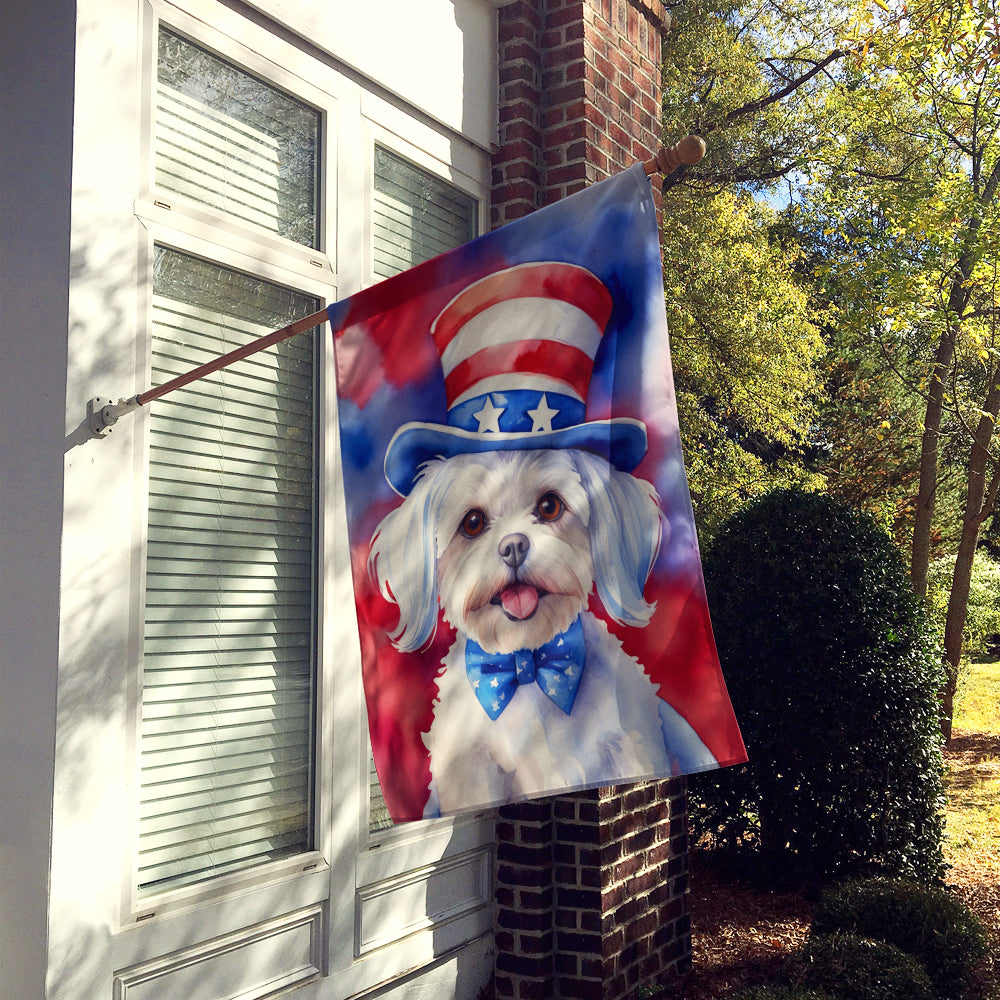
(517, 351)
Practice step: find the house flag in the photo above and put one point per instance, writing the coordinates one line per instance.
(527, 580)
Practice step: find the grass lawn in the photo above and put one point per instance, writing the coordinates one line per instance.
(974, 770)
(973, 811)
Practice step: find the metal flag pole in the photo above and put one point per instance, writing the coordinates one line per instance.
(103, 413)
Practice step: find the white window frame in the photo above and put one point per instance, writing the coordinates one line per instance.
(351, 876)
(180, 224)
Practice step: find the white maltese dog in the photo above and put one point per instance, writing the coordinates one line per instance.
(536, 695)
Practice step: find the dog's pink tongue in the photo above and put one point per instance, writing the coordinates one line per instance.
(519, 600)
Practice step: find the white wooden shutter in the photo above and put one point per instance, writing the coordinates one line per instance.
(228, 660)
(416, 216)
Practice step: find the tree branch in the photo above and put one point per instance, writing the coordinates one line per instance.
(754, 106)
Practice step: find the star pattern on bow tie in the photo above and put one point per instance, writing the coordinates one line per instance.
(555, 666)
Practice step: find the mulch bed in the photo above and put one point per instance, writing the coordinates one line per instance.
(742, 934)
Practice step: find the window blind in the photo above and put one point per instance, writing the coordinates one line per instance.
(228, 140)
(228, 653)
(416, 216)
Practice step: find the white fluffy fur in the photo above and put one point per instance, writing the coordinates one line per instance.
(607, 535)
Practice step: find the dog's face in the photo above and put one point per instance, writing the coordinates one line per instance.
(514, 565)
(510, 544)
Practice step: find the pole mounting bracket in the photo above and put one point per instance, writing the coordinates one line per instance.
(103, 413)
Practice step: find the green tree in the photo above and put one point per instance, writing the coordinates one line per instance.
(880, 123)
(911, 190)
(747, 77)
(747, 357)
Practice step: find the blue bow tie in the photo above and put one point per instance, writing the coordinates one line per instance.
(557, 667)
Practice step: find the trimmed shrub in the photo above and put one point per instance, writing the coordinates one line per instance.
(857, 968)
(833, 672)
(925, 922)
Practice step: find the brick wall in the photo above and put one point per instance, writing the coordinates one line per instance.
(591, 893)
(591, 889)
(579, 96)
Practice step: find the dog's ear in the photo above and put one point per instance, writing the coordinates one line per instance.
(625, 534)
(402, 560)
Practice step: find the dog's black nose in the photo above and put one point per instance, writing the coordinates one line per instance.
(513, 549)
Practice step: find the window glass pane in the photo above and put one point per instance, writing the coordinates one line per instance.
(228, 140)
(228, 655)
(416, 216)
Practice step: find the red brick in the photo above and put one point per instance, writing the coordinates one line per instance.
(573, 988)
(552, 117)
(503, 987)
(521, 130)
(564, 54)
(515, 875)
(567, 174)
(518, 111)
(570, 132)
(538, 966)
(569, 15)
(519, 920)
(578, 942)
(642, 926)
(521, 90)
(535, 990)
(521, 149)
(532, 899)
(552, 78)
(580, 899)
(551, 38)
(535, 944)
(642, 882)
(530, 856)
(567, 964)
(518, 49)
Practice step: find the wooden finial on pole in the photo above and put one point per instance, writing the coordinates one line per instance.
(668, 158)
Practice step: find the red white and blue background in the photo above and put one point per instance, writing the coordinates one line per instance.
(527, 578)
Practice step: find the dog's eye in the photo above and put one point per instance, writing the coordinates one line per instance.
(474, 523)
(550, 507)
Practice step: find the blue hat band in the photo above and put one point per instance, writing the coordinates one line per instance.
(518, 411)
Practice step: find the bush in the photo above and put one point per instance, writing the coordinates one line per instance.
(856, 968)
(925, 922)
(833, 673)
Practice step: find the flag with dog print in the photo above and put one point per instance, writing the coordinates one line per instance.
(527, 581)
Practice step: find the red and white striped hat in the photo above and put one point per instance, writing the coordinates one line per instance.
(517, 352)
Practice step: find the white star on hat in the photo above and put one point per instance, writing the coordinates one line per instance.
(542, 416)
(489, 417)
